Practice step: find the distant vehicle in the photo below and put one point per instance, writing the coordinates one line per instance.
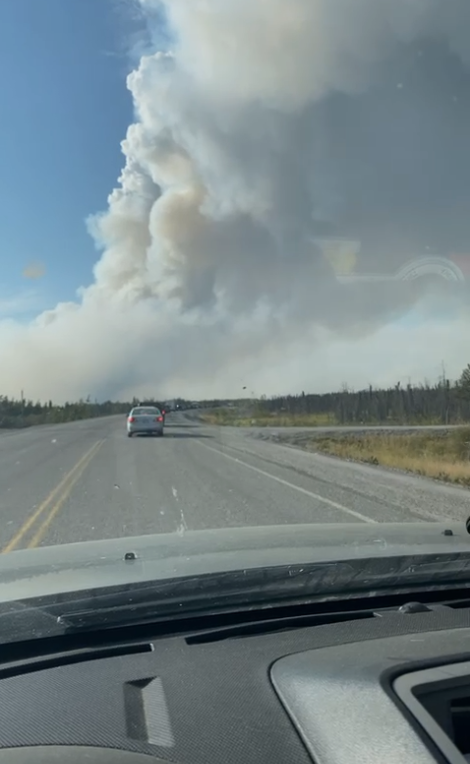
(148, 419)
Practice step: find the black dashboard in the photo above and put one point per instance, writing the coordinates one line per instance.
(392, 687)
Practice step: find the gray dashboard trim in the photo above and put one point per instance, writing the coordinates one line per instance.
(336, 701)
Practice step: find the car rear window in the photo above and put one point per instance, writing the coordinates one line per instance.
(146, 412)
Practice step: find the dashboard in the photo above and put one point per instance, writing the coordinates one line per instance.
(391, 688)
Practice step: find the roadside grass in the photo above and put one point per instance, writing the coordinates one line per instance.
(441, 455)
(226, 417)
(258, 418)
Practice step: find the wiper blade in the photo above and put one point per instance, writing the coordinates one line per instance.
(208, 594)
(215, 594)
(264, 588)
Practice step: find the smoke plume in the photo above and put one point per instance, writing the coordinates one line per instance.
(267, 129)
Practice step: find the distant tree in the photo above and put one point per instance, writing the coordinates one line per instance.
(463, 384)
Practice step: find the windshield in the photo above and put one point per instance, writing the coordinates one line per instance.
(145, 412)
(235, 280)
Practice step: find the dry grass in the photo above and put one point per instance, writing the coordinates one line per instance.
(258, 418)
(442, 455)
(237, 419)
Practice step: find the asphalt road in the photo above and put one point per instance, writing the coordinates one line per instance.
(87, 480)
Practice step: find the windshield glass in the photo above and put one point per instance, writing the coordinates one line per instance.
(145, 412)
(235, 281)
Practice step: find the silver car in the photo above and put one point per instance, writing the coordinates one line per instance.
(146, 419)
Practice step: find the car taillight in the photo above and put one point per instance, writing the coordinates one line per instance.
(159, 419)
(131, 419)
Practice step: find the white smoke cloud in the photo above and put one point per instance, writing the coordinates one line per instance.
(266, 122)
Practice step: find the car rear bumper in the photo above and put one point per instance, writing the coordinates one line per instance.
(143, 430)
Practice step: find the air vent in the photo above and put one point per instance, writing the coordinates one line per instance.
(247, 629)
(458, 604)
(460, 720)
(83, 656)
(439, 699)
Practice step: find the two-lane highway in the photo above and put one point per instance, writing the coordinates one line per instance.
(87, 480)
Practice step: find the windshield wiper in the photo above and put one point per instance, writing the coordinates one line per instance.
(205, 594)
(257, 590)
(263, 589)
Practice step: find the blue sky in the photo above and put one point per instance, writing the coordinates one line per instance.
(64, 110)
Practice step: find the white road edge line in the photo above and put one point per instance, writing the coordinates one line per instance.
(316, 496)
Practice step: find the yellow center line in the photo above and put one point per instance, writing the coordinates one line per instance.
(52, 496)
(41, 531)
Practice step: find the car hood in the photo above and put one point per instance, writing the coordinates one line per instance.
(90, 564)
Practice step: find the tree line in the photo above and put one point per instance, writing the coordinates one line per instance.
(444, 402)
(18, 413)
